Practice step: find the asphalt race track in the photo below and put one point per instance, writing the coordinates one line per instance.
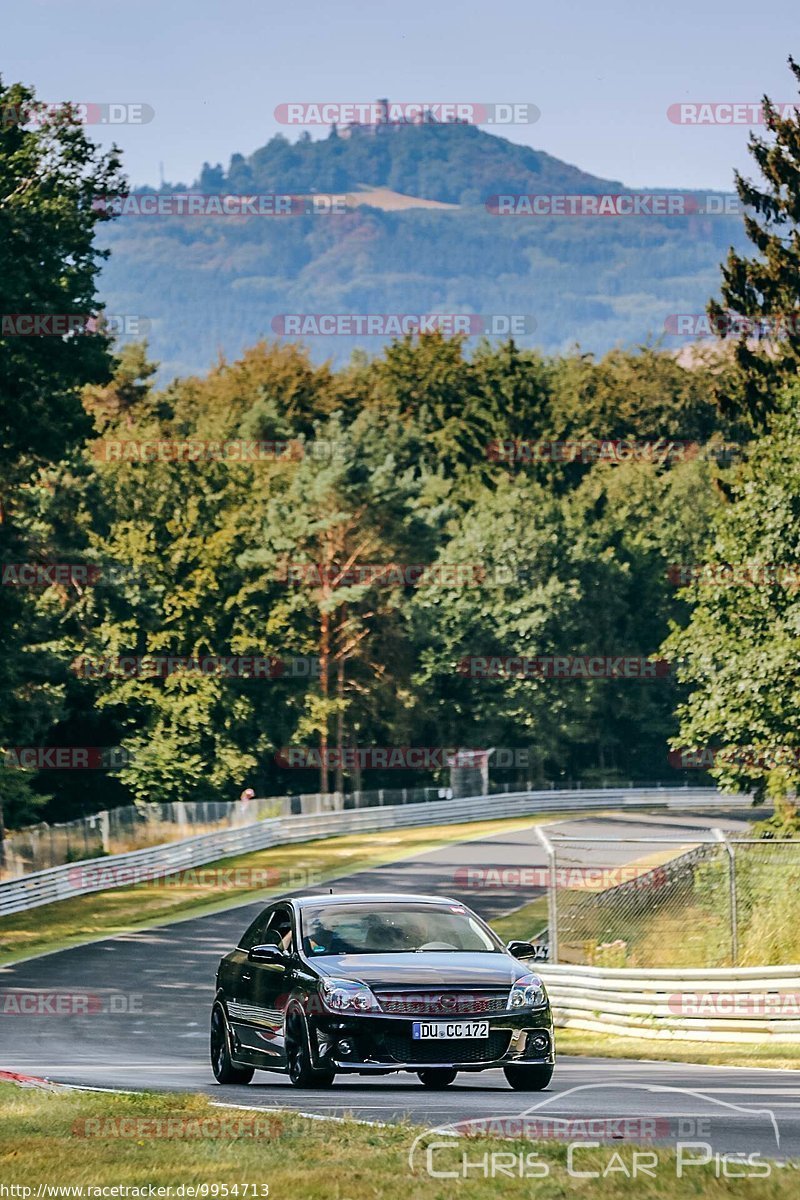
(151, 992)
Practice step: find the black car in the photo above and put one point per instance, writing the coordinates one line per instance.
(370, 984)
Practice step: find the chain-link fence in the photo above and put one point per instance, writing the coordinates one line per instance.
(708, 901)
(37, 847)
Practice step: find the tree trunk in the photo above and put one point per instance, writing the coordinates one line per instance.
(324, 687)
(339, 785)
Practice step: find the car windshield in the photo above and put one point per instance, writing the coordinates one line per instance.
(393, 929)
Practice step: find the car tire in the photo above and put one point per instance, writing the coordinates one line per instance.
(298, 1054)
(529, 1079)
(436, 1078)
(221, 1062)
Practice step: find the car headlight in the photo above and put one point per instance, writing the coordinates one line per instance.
(527, 992)
(347, 995)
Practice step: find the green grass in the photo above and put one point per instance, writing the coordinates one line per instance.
(690, 926)
(605, 1045)
(103, 1140)
(297, 867)
(523, 923)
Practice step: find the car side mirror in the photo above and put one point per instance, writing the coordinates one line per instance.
(523, 949)
(266, 954)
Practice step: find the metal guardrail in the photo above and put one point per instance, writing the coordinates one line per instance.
(135, 827)
(724, 1004)
(119, 870)
(120, 830)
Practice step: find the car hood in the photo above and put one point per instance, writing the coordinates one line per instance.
(424, 969)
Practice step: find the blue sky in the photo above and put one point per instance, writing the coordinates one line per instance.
(603, 75)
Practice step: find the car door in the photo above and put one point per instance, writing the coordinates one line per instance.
(236, 979)
(260, 1012)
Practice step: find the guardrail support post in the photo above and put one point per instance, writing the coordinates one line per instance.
(552, 900)
(719, 834)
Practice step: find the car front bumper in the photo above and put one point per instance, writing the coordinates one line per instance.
(372, 1043)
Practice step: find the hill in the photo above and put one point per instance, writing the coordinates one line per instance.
(215, 284)
(457, 164)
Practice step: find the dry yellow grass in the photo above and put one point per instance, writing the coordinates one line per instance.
(293, 867)
(78, 1139)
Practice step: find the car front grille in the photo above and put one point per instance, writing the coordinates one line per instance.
(443, 1004)
(404, 1048)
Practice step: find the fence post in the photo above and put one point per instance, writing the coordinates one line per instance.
(552, 900)
(719, 834)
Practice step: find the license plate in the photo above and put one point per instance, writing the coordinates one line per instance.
(424, 1030)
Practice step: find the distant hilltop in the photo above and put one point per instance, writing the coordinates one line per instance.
(387, 118)
(432, 153)
(419, 232)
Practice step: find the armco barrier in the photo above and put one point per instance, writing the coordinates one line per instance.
(118, 870)
(723, 1004)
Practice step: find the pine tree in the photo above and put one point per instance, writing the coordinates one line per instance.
(764, 289)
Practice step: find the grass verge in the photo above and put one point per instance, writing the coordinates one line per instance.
(604, 1045)
(523, 923)
(95, 1140)
(218, 885)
